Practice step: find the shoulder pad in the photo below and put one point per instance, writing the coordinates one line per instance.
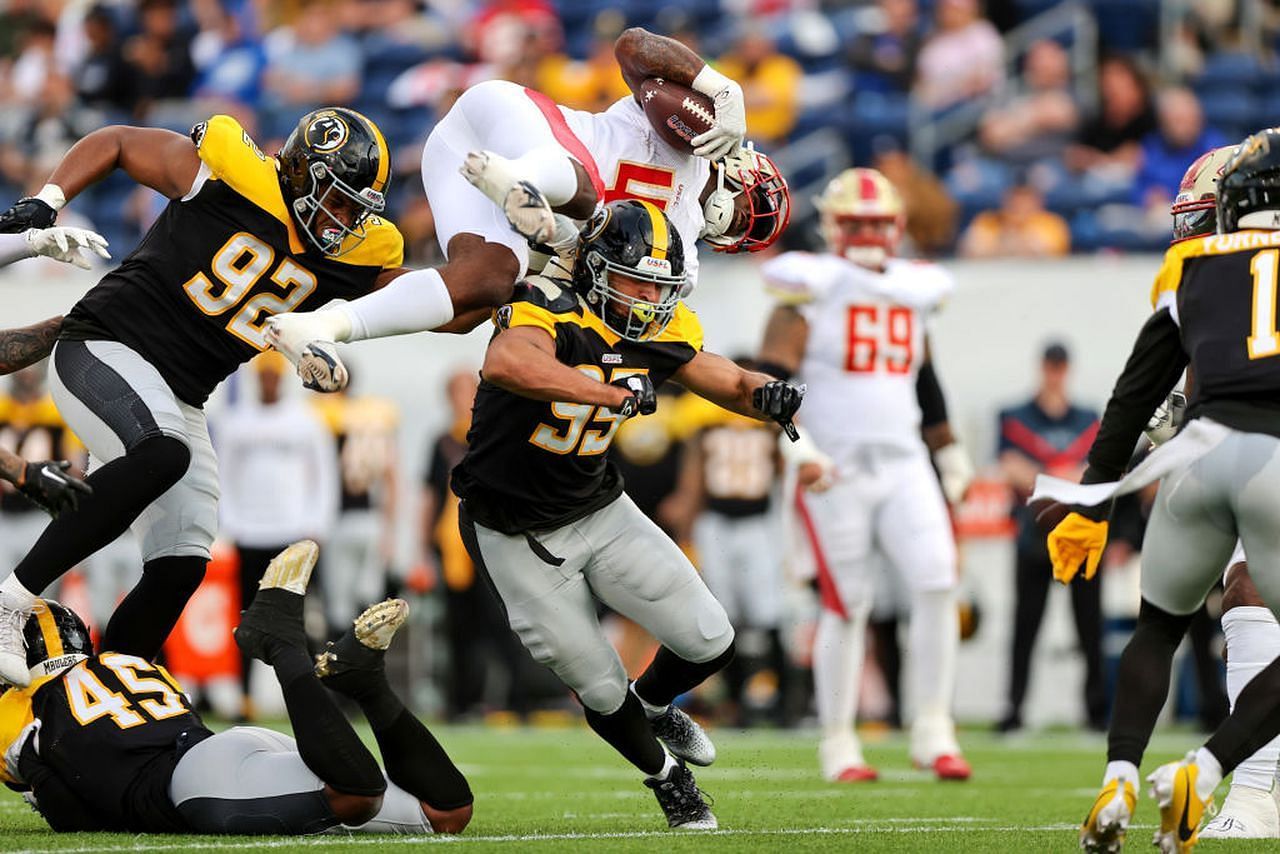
(235, 159)
(1165, 287)
(796, 278)
(684, 328)
(545, 292)
(923, 284)
(383, 246)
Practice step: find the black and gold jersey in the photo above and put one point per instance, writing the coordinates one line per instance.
(364, 429)
(1224, 288)
(109, 729)
(193, 297)
(533, 465)
(35, 431)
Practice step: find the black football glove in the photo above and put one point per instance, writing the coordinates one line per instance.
(27, 213)
(779, 400)
(643, 400)
(49, 485)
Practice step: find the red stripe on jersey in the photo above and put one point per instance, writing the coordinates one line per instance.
(827, 591)
(566, 137)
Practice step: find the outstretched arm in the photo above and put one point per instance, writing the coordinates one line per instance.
(28, 344)
(165, 161)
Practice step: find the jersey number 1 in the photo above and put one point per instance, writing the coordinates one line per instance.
(1263, 340)
(238, 266)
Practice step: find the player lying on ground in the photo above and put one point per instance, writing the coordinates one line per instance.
(108, 741)
(543, 512)
(851, 325)
(244, 235)
(1219, 483)
(506, 168)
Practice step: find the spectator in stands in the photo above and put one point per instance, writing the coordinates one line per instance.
(591, 84)
(309, 64)
(32, 64)
(497, 32)
(1048, 434)
(962, 59)
(1021, 228)
(159, 56)
(230, 59)
(885, 57)
(770, 83)
(1167, 151)
(1041, 120)
(103, 80)
(1108, 146)
(931, 212)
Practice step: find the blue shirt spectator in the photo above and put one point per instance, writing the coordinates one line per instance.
(230, 61)
(1179, 139)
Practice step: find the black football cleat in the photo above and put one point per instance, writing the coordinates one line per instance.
(275, 615)
(682, 801)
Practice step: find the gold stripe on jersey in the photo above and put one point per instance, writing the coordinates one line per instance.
(1170, 274)
(661, 238)
(684, 327)
(48, 630)
(235, 159)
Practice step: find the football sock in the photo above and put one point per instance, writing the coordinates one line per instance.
(327, 743)
(1253, 641)
(628, 731)
(1253, 723)
(934, 636)
(122, 489)
(550, 170)
(417, 301)
(1122, 771)
(838, 650)
(145, 617)
(668, 676)
(418, 764)
(1142, 683)
(888, 654)
(372, 692)
(1210, 773)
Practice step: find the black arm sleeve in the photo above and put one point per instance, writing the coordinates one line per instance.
(1152, 371)
(933, 403)
(57, 802)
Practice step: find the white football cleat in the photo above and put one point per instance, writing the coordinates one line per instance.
(1247, 813)
(14, 610)
(526, 209)
(1104, 827)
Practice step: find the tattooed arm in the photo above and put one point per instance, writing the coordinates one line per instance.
(12, 466)
(27, 345)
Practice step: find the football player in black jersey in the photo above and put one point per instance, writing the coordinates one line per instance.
(543, 512)
(109, 741)
(245, 235)
(1216, 315)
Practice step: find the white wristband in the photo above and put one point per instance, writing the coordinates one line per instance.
(52, 195)
(803, 450)
(711, 82)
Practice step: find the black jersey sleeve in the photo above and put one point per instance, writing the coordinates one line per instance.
(57, 802)
(1153, 369)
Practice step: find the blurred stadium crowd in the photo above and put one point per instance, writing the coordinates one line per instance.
(1014, 127)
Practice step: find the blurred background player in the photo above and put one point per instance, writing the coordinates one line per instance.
(1048, 433)
(361, 547)
(729, 471)
(279, 478)
(851, 324)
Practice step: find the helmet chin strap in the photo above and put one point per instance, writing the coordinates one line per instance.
(718, 210)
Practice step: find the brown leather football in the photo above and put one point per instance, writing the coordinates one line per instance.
(676, 112)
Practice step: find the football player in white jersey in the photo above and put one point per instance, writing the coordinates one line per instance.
(540, 169)
(851, 323)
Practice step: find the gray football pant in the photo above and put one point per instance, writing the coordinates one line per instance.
(620, 557)
(1200, 509)
(250, 780)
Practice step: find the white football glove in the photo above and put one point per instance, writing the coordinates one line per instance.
(1167, 418)
(307, 339)
(64, 243)
(955, 471)
(15, 748)
(730, 128)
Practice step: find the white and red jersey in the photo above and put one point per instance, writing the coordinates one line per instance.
(633, 162)
(867, 341)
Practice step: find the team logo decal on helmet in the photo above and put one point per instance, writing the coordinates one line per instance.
(862, 216)
(327, 132)
(635, 240)
(1195, 207)
(334, 171)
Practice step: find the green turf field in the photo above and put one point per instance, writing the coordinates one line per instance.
(554, 790)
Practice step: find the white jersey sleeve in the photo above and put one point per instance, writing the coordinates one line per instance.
(799, 278)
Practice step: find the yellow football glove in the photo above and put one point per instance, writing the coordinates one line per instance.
(1075, 540)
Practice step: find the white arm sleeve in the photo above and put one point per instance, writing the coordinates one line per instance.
(414, 302)
(14, 247)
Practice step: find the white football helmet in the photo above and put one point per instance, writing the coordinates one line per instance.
(863, 217)
(1194, 208)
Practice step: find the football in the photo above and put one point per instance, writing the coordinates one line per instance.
(676, 112)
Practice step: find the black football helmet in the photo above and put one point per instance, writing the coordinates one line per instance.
(634, 239)
(1249, 189)
(56, 638)
(334, 171)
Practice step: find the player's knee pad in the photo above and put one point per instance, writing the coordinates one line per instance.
(164, 458)
(1156, 625)
(604, 694)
